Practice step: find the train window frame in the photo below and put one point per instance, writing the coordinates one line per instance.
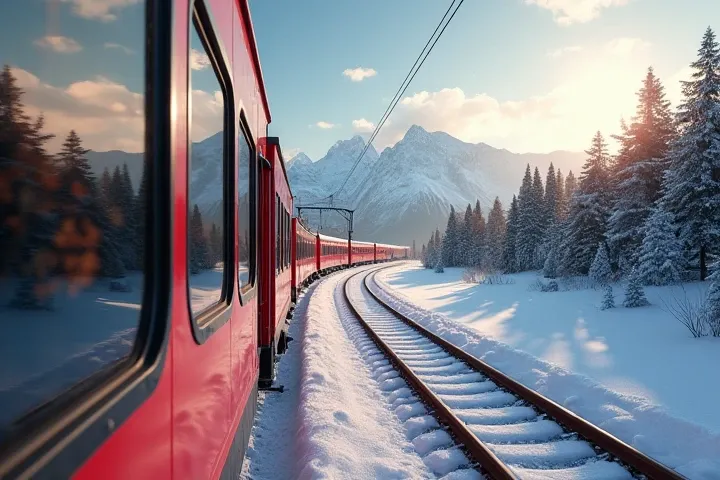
(210, 319)
(248, 291)
(58, 437)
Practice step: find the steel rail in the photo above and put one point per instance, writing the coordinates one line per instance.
(630, 456)
(477, 450)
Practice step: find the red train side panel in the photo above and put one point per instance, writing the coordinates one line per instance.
(304, 256)
(333, 252)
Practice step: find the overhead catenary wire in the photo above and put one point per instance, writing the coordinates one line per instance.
(403, 87)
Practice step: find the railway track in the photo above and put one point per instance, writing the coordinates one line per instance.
(508, 430)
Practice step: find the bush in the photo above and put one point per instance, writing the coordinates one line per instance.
(540, 286)
(691, 312)
(486, 276)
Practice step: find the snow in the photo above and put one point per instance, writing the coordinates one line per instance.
(86, 330)
(334, 419)
(636, 373)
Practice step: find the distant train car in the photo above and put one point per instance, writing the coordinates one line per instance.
(304, 254)
(385, 252)
(362, 253)
(333, 253)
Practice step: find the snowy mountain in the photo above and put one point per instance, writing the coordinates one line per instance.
(411, 186)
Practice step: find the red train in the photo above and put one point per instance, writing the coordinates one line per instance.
(211, 315)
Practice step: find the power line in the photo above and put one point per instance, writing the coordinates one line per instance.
(405, 84)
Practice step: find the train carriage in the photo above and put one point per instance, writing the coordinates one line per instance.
(332, 253)
(362, 252)
(304, 255)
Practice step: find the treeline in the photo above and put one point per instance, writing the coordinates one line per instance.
(651, 212)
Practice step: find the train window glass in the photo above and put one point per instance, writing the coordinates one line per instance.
(206, 175)
(245, 179)
(72, 242)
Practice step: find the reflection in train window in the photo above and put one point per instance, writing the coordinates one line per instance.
(245, 178)
(72, 198)
(206, 219)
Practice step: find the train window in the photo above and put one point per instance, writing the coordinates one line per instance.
(245, 192)
(278, 243)
(72, 199)
(206, 175)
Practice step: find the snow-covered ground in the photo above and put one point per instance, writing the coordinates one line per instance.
(635, 372)
(333, 420)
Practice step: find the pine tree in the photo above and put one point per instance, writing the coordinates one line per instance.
(692, 183)
(551, 262)
(524, 248)
(467, 241)
(561, 204)
(571, 186)
(198, 242)
(215, 246)
(450, 241)
(438, 245)
(509, 253)
(495, 232)
(713, 304)
(478, 235)
(640, 167)
(423, 254)
(661, 254)
(429, 258)
(608, 298)
(551, 200)
(439, 265)
(139, 213)
(600, 271)
(634, 293)
(586, 222)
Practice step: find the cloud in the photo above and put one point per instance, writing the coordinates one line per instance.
(117, 46)
(106, 114)
(594, 93)
(325, 125)
(58, 43)
(199, 60)
(363, 126)
(359, 74)
(568, 12)
(207, 114)
(564, 51)
(626, 46)
(99, 9)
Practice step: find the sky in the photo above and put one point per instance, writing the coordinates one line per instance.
(526, 75)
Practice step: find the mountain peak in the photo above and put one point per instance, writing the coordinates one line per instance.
(415, 133)
(299, 160)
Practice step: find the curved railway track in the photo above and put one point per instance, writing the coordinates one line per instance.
(508, 430)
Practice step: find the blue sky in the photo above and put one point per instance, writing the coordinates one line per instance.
(519, 76)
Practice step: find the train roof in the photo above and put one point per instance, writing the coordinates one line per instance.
(328, 238)
(250, 32)
(358, 242)
(387, 245)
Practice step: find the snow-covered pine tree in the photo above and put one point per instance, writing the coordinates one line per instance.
(523, 244)
(713, 304)
(586, 222)
(478, 234)
(661, 252)
(140, 205)
(130, 227)
(608, 298)
(429, 258)
(438, 246)
(692, 184)
(509, 261)
(600, 271)
(560, 205)
(551, 262)
(571, 186)
(467, 242)
(439, 265)
(423, 252)
(450, 241)
(495, 232)
(198, 242)
(634, 293)
(551, 199)
(639, 168)
(215, 246)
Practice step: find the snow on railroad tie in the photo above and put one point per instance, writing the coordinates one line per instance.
(429, 441)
